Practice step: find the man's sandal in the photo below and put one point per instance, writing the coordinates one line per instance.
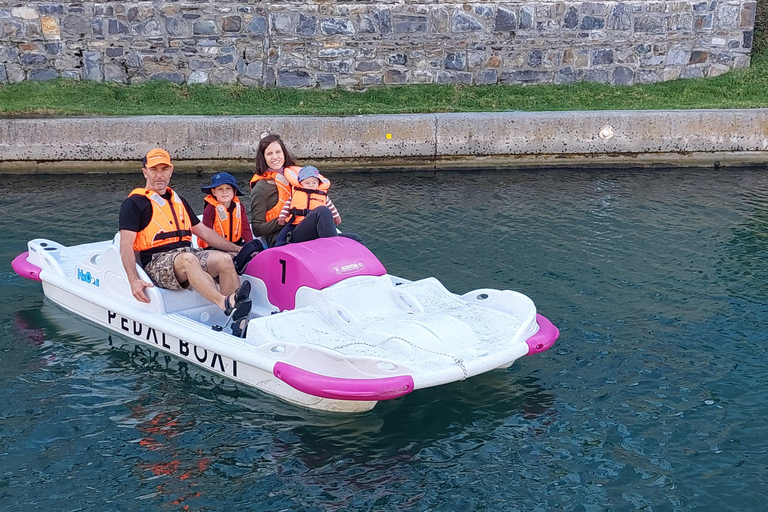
(240, 318)
(232, 301)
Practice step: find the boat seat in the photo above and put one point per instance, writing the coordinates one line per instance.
(316, 264)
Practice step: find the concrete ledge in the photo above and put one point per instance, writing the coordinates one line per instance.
(387, 142)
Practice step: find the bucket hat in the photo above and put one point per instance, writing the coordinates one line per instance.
(222, 178)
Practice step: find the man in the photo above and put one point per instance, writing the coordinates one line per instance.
(158, 224)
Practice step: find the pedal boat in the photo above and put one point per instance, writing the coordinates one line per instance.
(329, 329)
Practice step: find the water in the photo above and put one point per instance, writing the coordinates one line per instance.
(653, 398)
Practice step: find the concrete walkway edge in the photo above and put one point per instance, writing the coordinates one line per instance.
(394, 142)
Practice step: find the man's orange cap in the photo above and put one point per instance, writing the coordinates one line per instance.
(157, 156)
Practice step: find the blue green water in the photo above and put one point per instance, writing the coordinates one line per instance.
(652, 399)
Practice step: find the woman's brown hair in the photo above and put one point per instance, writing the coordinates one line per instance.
(261, 162)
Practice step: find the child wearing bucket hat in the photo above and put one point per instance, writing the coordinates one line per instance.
(224, 213)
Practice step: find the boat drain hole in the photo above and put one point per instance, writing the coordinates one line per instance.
(343, 316)
(482, 296)
(278, 349)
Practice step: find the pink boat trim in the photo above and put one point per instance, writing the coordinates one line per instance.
(543, 339)
(343, 389)
(24, 268)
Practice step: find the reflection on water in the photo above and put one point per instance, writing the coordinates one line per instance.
(652, 399)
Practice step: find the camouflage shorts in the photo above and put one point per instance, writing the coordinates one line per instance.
(160, 268)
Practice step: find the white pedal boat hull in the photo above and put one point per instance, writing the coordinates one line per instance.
(336, 347)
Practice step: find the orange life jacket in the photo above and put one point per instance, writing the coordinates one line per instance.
(304, 200)
(283, 190)
(169, 224)
(223, 224)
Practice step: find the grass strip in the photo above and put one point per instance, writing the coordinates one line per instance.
(745, 88)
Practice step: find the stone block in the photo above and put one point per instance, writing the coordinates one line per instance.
(592, 23)
(257, 26)
(50, 27)
(25, 13)
(294, 79)
(337, 26)
(670, 74)
(175, 76)
(646, 76)
(649, 24)
(3, 74)
(92, 69)
(326, 80)
(594, 8)
(198, 77)
(220, 76)
(383, 20)
(367, 66)
(307, 25)
(32, 59)
(526, 17)
(571, 19)
(115, 73)
(114, 52)
(336, 52)
(395, 77)
(371, 80)
(680, 22)
(506, 20)
(200, 64)
(698, 57)
(526, 76)
(717, 70)
(748, 37)
(365, 25)
(703, 22)
(566, 76)
(622, 76)
(486, 77)
(597, 75)
(535, 57)
(455, 61)
(620, 17)
(602, 57)
(225, 60)
(463, 22)
(728, 16)
(692, 72)
(14, 72)
(75, 26)
(677, 57)
(748, 15)
(397, 59)
(452, 77)
(204, 28)
(406, 24)
(43, 75)
(231, 24)
(281, 23)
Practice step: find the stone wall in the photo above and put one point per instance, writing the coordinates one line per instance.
(358, 44)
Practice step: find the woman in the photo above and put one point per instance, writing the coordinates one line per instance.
(269, 188)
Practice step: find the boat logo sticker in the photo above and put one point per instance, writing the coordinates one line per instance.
(351, 267)
(86, 277)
